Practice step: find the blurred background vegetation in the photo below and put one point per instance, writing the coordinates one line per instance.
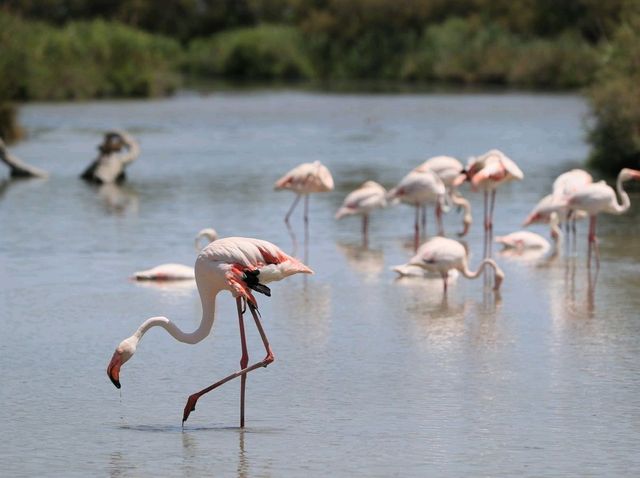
(72, 49)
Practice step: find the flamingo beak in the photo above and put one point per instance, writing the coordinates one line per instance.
(113, 370)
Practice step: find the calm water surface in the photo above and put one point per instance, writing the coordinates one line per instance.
(373, 377)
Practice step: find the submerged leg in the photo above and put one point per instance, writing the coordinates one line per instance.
(306, 218)
(293, 206)
(416, 230)
(365, 229)
(244, 360)
(192, 400)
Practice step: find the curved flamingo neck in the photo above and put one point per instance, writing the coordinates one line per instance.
(626, 202)
(485, 262)
(203, 330)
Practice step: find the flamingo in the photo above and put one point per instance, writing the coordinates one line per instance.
(448, 169)
(521, 240)
(305, 179)
(170, 272)
(238, 265)
(598, 198)
(110, 165)
(418, 189)
(18, 168)
(363, 200)
(487, 172)
(441, 254)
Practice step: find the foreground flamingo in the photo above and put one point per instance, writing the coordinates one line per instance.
(418, 189)
(238, 265)
(448, 169)
(303, 180)
(487, 172)
(363, 200)
(171, 272)
(441, 254)
(599, 197)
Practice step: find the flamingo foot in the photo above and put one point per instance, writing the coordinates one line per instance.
(189, 407)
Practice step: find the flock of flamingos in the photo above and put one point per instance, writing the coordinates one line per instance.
(243, 265)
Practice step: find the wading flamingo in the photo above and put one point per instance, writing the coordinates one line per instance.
(598, 198)
(448, 169)
(305, 179)
(18, 168)
(363, 200)
(238, 265)
(109, 166)
(419, 189)
(487, 172)
(521, 240)
(167, 272)
(441, 254)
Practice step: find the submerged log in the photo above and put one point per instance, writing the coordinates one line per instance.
(19, 169)
(117, 150)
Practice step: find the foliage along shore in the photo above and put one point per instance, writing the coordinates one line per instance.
(585, 45)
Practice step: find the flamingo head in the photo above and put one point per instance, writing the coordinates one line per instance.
(531, 218)
(123, 353)
(626, 174)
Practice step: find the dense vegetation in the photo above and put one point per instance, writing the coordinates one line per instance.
(93, 48)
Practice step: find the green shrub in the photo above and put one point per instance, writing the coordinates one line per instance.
(265, 52)
(84, 60)
(615, 100)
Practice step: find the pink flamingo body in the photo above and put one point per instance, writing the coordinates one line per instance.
(369, 196)
(486, 173)
(418, 189)
(441, 255)
(448, 170)
(235, 264)
(596, 198)
(305, 179)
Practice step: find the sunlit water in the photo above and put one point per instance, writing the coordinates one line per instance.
(373, 376)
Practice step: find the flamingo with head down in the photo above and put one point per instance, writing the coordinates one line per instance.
(596, 198)
(240, 266)
(487, 172)
(363, 200)
(448, 169)
(171, 271)
(419, 189)
(441, 255)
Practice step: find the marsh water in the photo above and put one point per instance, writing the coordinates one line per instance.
(373, 376)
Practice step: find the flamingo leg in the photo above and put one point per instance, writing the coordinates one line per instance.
(486, 223)
(592, 238)
(306, 218)
(365, 229)
(193, 399)
(293, 206)
(491, 207)
(424, 221)
(445, 276)
(439, 219)
(416, 230)
(244, 360)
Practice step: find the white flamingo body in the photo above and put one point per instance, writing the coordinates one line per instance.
(523, 240)
(238, 265)
(363, 200)
(418, 189)
(569, 183)
(448, 170)
(598, 198)
(305, 179)
(441, 254)
(171, 271)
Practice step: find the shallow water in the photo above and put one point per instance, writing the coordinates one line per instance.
(373, 376)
